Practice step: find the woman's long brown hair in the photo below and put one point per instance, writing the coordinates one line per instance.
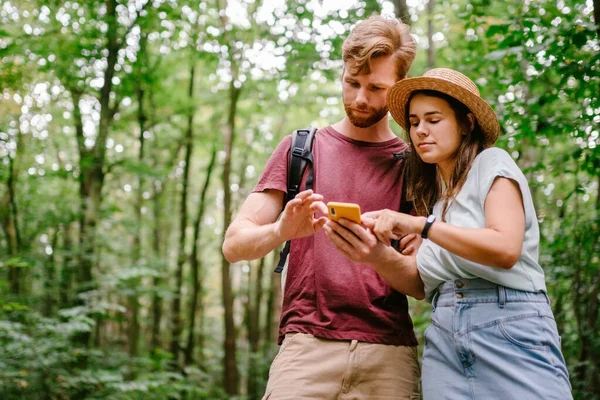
(424, 186)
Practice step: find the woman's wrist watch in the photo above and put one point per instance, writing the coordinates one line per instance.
(428, 222)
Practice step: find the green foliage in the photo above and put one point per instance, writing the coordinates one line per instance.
(537, 63)
(39, 357)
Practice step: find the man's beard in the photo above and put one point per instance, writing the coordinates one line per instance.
(364, 122)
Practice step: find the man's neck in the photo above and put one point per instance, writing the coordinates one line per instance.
(380, 132)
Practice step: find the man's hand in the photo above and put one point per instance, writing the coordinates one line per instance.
(298, 218)
(354, 241)
(358, 243)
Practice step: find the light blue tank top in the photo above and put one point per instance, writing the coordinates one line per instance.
(437, 265)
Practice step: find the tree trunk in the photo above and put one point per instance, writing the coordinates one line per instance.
(254, 322)
(431, 46)
(160, 249)
(273, 304)
(201, 331)
(230, 363)
(401, 11)
(597, 16)
(50, 276)
(255, 290)
(176, 304)
(598, 199)
(134, 304)
(91, 162)
(196, 262)
(91, 180)
(241, 193)
(157, 280)
(66, 272)
(592, 324)
(9, 216)
(581, 368)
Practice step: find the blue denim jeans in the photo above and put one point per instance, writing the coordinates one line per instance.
(489, 342)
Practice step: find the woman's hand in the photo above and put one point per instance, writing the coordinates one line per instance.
(409, 244)
(388, 225)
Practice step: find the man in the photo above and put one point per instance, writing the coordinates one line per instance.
(344, 332)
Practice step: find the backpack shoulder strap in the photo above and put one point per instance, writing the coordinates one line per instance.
(300, 157)
(405, 205)
(299, 160)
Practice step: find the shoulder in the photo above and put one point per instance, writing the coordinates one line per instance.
(280, 154)
(494, 158)
(495, 162)
(284, 145)
(403, 146)
(494, 153)
(286, 140)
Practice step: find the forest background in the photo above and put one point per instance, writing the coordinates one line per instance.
(132, 130)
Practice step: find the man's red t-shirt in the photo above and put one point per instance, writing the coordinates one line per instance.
(326, 294)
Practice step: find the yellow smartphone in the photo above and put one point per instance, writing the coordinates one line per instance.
(350, 211)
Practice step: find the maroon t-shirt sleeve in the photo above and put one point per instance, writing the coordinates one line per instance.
(274, 176)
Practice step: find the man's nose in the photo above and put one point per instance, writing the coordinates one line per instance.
(361, 96)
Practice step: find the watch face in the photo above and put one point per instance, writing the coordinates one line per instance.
(431, 218)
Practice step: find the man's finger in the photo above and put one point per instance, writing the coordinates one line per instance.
(312, 198)
(346, 254)
(360, 232)
(333, 236)
(295, 202)
(343, 234)
(345, 229)
(319, 206)
(304, 194)
(383, 239)
(319, 223)
(345, 248)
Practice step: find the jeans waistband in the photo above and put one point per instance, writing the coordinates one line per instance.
(482, 291)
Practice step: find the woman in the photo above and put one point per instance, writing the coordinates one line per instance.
(493, 334)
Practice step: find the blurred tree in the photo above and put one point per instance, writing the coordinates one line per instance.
(102, 131)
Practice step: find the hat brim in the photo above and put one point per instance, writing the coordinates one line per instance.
(399, 94)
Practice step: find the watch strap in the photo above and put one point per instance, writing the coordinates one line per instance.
(428, 222)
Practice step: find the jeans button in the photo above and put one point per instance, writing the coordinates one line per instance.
(459, 295)
(460, 284)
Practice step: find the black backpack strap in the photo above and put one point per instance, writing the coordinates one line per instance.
(300, 158)
(405, 206)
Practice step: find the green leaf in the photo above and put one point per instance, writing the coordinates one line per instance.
(496, 55)
(497, 29)
(15, 262)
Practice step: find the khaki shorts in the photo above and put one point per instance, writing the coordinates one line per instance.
(307, 367)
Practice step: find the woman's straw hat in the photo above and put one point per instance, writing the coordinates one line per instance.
(452, 83)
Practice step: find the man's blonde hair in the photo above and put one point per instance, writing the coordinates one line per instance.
(376, 37)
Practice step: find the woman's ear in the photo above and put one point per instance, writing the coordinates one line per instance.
(471, 118)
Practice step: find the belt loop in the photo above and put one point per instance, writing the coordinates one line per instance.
(434, 300)
(501, 296)
(547, 298)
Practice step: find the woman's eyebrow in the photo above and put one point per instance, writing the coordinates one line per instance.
(426, 114)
